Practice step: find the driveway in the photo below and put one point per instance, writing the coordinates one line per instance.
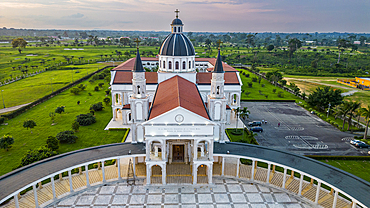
(299, 131)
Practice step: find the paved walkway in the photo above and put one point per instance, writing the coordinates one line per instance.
(226, 193)
(13, 108)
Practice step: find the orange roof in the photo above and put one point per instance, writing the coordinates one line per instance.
(129, 64)
(125, 77)
(226, 67)
(204, 78)
(176, 92)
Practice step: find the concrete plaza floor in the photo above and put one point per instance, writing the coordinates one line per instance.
(225, 192)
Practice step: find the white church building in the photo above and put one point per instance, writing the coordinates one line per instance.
(179, 111)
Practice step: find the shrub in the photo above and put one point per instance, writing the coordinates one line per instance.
(29, 124)
(75, 90)
(246, 75)
(106, 100)
(96, 88)
(35, 155)
(254, 79)
(2, 120)
(262, 85)
(97, 106)
(59, 110)
(75, 126)
(89, 94)
(66, 137)
(280, 94)
(6, 142)
(52, 143)
(81, 87)
(86, 119)
(107, 92)
(100, 85)
(274, 90)
(250, 84)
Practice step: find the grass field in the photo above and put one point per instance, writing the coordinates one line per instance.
(92, 135)
(267, 89)
(356, 167)
(32, 88)
(240, 137)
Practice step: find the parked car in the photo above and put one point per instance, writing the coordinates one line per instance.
(255, 123)
(368, 152)
(354, 141)
(362, 145)
(256, 129)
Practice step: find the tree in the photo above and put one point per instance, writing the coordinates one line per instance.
(29, 124)
(6, 142)
(353, 108)
(342, 111)
(251, 40)
(75, 90)
(293, 45)
(20, 43)
(366, 114)
(52, 116)
(124, 41)
(35, 155)
(59, 109)
(322, 96)
(66, 137)
(97, 106)
(86, 119)
(270, 47)
(241, 113)
(52, 143)
(75, 126)
(106, 100)
(342, 44)
(274, 76)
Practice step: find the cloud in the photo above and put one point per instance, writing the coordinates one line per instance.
(75, 16)
(20, 5)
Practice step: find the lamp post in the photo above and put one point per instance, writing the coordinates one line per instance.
(327, 115)
(2, 97)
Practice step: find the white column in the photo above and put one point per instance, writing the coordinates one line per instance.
(156, 151)
(35, 195)
(223, 166)
(317, 192)
(16, 201)
(53, 188)
(253, 167)
(148, 150)
(354, 203)
(237, 168)
(103, 171)
(118, 168)
(114, 114)
(70, 181)
(122, 99)
(134, 165)
(87, 175)
(195, 174)
(268, 173)
(148, 170)
(195, 150)
(210, 173)
(300, 185)
(164, 174)
(284, 178)
(335, 198)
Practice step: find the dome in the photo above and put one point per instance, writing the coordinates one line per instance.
(177, 44)
(176, 21)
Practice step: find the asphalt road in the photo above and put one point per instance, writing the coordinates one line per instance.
(299, 131)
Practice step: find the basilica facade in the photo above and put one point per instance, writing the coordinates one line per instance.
(179, 111)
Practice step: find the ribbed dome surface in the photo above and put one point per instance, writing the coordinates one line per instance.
(176, 21)
(177, 45)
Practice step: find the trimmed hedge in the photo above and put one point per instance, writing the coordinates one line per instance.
(47, 97)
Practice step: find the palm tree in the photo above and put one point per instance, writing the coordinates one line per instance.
(343, 111)
(241, 113)
(366, 113)
(342, 43)
(353, 107)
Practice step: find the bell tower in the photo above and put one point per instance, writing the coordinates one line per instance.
(139, 100)
(216, 99)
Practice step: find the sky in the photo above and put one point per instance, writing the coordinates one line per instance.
(197, 15)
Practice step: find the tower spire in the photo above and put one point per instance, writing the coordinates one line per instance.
(218, 66)
(138, 66)
(177, 13)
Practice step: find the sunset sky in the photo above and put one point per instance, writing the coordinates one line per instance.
(197, 15)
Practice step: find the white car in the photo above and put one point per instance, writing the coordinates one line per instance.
(368, 152)
(354, 141)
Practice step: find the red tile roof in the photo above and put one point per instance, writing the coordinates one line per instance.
(226, 67)
(205, 78)
(176, 92)
(129, 64)
(125, 77)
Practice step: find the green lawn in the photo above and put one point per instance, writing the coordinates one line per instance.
(356, 167)
(247, 137)
(32, 88)
(259, 92)
(92, 135)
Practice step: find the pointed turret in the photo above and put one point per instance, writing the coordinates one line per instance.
(218, 66)
(138, 66)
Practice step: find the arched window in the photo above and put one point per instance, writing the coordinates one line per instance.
(218, 90)
(164, 64)
(183, 65)
(169, 65)
(176, 65)
(179, 29)
(174, 29)
(138, 89)
(193, 64)
(189, 64)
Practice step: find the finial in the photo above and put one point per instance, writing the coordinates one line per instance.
(219, 42)
(137, 41)
(177, 13)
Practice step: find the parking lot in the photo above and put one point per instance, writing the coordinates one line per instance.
(299, 131)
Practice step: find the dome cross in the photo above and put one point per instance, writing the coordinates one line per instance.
(177, 13)
(137, 41)
(219, 42)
